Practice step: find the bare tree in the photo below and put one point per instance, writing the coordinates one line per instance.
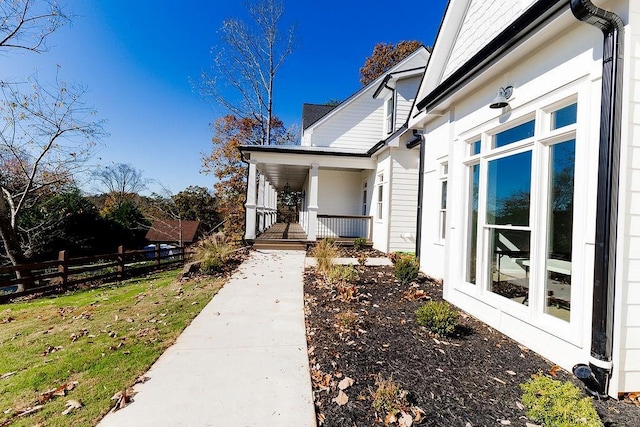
(121, 180)
(46, 135)
(25, 24)
(244, 72)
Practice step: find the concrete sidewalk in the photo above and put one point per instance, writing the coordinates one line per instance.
(242, 361)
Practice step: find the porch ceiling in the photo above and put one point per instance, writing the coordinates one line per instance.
(280, 175)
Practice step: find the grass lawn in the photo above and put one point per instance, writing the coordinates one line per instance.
(102, 338)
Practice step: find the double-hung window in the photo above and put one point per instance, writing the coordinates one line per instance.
(379, 197)
(389, 115)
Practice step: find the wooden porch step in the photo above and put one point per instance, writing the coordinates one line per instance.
(297, 245)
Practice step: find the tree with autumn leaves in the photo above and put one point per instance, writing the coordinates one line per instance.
(385, 56)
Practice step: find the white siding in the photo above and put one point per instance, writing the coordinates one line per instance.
(483, 21)
(339, 192)
(357, 126)
(629, 375)
(404, 199)
(406, 90)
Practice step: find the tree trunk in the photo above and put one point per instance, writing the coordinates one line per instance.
(11, 241)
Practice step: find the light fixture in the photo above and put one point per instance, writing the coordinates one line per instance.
(287, 188)
(501, 99)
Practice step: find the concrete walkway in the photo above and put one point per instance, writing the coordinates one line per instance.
(242, 361)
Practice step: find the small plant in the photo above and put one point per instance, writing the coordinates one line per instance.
(213, 253)
(347, 293)
(342, 274)
(438, 316)
(347, 321)
(359, 243)
(557, 403)
(388, 397)
(324, 252)
(362, 259)
(406, 269)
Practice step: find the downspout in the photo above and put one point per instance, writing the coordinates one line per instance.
(419, 138)
(597, 374)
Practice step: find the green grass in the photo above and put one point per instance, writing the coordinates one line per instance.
(119, 330)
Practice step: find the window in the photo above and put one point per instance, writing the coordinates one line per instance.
(380, 196)
(389, 115)
(364, 199)
(512, 220)
(444, 171)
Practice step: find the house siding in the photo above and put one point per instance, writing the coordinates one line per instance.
(406, 90)
(483, 21)
(404, 199)
(629, 240)
(357, 126)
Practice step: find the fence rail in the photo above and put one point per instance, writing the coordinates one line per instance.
(344, 226)
(65, 272)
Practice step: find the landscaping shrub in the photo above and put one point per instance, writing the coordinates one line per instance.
(343, 274)
(347, 321)
(438, 316)
(362, 259)
(324, 252)
(557, 403)
(406, 269)
(212, 253)
(388, 397)
(359, 243)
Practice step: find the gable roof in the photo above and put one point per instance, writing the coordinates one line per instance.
(311, 113)
(169, 231)
(422, 51)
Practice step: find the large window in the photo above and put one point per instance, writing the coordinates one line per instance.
(444, 172)
(365, 210)
(380, 196)
(520, 207)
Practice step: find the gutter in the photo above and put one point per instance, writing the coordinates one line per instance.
(597, 374)
(531, 20)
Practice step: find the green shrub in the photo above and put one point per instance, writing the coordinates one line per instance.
(343, 274)
(438, 316)
(557, 403)
(406, 269)
(359, 243)
(324, 252)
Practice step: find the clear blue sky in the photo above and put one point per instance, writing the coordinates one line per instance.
(139, 58)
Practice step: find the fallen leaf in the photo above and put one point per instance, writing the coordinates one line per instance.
(505, 422)
(418, 414)
(554, 370)
(390, 418)
(141, 380)
(405, 420)
(71, 405)
(341, 398)
(345, 383)
(511, 373)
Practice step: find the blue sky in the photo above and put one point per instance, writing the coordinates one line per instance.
(139, 58)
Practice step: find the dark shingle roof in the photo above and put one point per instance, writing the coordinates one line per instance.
(311, 113)
(168, 231)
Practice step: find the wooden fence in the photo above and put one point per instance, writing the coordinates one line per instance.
(65, 272)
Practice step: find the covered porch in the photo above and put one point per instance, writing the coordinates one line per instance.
(326, 185)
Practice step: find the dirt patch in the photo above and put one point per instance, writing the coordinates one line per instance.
(471, 379)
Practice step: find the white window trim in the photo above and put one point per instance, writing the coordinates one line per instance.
(442, 212)
(389, 116)
(544, 137)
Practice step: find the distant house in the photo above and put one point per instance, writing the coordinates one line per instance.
(180, 232)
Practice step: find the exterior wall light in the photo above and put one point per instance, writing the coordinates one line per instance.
(501, 99)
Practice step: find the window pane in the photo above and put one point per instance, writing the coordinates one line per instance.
(443, 196)
(473, 223)
(475, 147)
(508, 190)
(515, 134)
(560, 232)
(564, 117)
(510, 261)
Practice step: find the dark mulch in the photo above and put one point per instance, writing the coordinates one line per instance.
(349, 251)
(471, 379)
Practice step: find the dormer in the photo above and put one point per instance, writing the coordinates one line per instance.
(398, 90)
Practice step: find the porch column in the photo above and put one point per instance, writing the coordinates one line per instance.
(261, 204)
(313, 202)
(250, 205)
(272, 205)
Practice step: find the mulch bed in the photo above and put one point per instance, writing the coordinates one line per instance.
(471, 379)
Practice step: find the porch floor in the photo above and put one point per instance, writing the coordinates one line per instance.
(284, 231)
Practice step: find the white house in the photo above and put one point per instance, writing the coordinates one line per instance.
(353, 167)
(529, 112)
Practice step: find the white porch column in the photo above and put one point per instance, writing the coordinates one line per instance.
(313, 202)
(272, 205)
(250, 205)
(261, 204)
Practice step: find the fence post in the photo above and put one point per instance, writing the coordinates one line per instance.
(157, 256)
(120, 262)
(63, 267)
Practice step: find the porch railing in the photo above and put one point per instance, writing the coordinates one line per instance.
(344, 226)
